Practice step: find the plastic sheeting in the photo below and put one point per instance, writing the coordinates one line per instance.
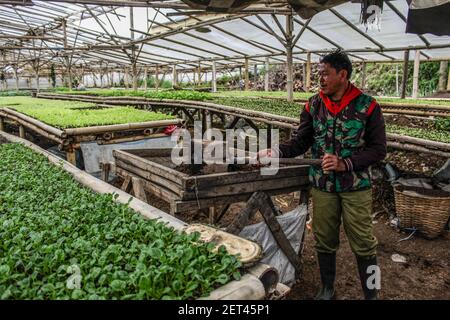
(93, 153)
(293, 225)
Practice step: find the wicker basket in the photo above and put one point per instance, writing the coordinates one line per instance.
(424, 209)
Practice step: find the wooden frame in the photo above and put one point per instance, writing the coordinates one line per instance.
(69, 139)
(184, 192)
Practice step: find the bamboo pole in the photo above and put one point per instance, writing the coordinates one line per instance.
(174, 76)
(443, 67)
(145, 78)
(418, 141)
(71, 156)
(363, 75)
(415, 92)
(289, 59)
(214, 79)
(266, 76)
(199, 74)
(415, 148)
(120, 127)
(67, 58)
(16, 76)
(248, 288)
(308, 71)
(405, 73)
(157, 78)
(246, 79)
(22, 131)
(33, 128)
(448, 81)
(54, 131)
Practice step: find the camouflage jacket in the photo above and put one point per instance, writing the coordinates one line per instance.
(353, 129)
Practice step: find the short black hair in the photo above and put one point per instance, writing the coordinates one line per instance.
(339, 60)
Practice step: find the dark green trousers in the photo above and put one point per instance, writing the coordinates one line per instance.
(354, 209)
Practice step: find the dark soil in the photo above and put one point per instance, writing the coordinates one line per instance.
(410, 121)
(441, 95)
(97, 107)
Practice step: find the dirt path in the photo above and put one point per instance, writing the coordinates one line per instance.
(426, 275)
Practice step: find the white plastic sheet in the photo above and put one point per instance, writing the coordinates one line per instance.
(293, 225)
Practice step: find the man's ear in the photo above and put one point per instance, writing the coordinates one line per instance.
(343, 74)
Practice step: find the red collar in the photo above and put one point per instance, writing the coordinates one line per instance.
(351, 93)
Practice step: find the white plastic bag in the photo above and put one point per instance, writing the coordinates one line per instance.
(293, 225)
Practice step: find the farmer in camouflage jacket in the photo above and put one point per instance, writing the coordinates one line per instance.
(345, 128)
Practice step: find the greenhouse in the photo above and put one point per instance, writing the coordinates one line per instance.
(196, 149)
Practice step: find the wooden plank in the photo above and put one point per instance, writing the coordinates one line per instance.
(183, 205)
(126, 185)
(138, 189)
(153, 167)
(106, 167)
(157, 190)
(147, 153)
(225, 178)
(222, 212)
(212, 215)
(247, 187)
(244, 216)
(150, 177)
(268, 210)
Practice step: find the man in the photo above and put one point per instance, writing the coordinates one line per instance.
(345, 128)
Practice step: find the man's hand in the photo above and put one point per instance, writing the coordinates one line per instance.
(331, 162)
(266, 153)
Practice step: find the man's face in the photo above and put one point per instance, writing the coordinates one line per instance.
(330, 80)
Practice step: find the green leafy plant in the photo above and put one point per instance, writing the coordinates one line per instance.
(436, 135)
(60, 240)
(71, 114)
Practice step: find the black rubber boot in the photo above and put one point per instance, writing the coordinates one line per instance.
(364, 274)
(327, 265)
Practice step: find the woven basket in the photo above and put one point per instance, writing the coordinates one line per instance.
(424, 209)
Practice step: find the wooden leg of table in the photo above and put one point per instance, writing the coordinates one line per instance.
(2, 124)
(106, 167)
(212, 215)
(126, 185)
(71, 156)
(22, 132)
(138, 189)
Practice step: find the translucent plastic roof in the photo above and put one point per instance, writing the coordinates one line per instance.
(101, 35)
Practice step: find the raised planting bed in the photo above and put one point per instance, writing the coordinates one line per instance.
(278, 114)
(71, 123)
(61, 240)
(187, 187)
